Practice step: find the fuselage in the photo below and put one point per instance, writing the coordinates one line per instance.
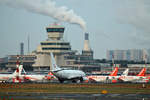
(5, 77)
(131, 78)
(34, 77)
(97, 78)
(11, 78)
(101, 78)
(65, 74)
(68, 74)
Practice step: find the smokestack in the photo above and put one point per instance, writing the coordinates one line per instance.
(86, 43)
(28, 44)
(21, 48)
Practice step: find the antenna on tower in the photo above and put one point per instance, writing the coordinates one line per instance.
(28, 43)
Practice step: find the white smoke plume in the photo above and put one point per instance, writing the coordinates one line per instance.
(48, 8)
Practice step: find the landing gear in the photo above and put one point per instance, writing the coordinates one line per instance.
(74, 81)
(81, 80)
(3, 81)
(61, 81)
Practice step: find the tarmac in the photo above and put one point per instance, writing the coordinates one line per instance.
(44, 96)
(8, 95)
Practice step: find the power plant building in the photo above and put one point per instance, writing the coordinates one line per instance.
(85, 60)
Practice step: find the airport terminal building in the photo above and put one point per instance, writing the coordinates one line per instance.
(39, 60)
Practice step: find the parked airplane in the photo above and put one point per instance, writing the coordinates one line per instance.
(50, 76)
(66, 74)
(39, 77)
(138, 78)
(112, 77)
(14, 77)
(102, 78)
(34, 77)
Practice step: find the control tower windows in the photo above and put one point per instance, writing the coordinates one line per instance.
(61, 30)
(54, 43)
(56, 48)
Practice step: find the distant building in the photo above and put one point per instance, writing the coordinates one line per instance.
(116, 55)
(129, 55)
(26, 60)
(3, 62)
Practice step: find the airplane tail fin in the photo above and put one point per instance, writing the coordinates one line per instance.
(125, 73)
(54, 66)
(17, 73)
(18, 70)
(142, 73)
(50, 73)
(115, 72)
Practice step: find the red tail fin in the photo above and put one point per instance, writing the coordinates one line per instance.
(50, 76)
(50, 73)
(142, 73)
(115, 72)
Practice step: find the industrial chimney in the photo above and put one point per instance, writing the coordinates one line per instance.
(87, 50)
(21, 48)
(86, 43)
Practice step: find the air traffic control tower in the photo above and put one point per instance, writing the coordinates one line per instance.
(54, 43)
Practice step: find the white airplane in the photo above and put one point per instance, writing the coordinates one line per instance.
(138, 78)
(113, 76)
(101, 78)
(14, 77)
(34, 78)
(64, 74)
(39, 77)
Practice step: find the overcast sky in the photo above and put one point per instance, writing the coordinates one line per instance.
(112, 24)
